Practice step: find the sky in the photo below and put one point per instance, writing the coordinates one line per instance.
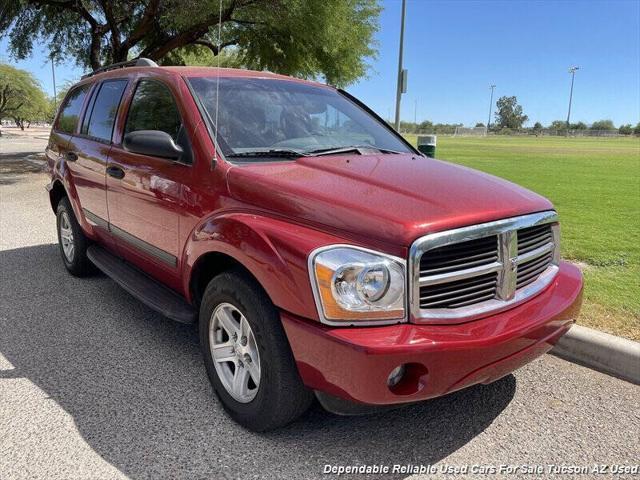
(455, 49)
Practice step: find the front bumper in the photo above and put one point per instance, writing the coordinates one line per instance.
(354, 363)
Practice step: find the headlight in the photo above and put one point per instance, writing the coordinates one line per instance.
(354, 284)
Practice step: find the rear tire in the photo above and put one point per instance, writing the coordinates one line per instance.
(72, 241)
(278, 396)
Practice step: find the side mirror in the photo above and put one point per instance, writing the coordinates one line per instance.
(155, 143)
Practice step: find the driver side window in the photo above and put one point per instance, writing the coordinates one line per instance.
(154, 108)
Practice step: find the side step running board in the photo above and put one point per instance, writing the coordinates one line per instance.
(149, 291)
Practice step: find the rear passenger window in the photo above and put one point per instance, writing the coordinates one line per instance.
(70, 112)
(153, 108)
(104, 110)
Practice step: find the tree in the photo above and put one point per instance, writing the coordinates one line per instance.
(333, 38)
(426, 127)
(559, 125)
(509, 114)
(21, 97)
(636, 129)
(603, 125)
(578, 126)
(479, 125)
(537, 128)
(625, 129)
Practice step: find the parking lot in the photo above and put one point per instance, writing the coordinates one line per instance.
(95, 385)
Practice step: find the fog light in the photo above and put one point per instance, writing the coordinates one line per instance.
(395, 376)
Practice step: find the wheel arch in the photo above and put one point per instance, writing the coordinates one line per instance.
(208, 266)
(57, 193)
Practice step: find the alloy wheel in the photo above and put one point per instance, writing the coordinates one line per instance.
(66, 237)
(234, 352)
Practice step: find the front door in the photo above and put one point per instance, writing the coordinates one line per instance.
(145, 194)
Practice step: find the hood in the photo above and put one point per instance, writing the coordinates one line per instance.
(391, 198)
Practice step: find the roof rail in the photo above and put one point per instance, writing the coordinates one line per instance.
(136, 62)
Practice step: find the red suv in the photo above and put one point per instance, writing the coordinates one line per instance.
(319, 253)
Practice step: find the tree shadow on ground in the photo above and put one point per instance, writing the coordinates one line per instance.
(136, 388)
(12, 168)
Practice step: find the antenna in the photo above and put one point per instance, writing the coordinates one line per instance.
(215, 134)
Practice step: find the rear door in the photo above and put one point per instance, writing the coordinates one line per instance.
(88, 151)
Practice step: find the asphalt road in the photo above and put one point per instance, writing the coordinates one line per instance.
(95, 385)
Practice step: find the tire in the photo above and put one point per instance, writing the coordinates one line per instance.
(76, 262)
(280, 396)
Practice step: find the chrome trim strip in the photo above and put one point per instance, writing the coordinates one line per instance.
(508, 260)
(538, 252)
(460, 274)
(352, 323)
(507, 250)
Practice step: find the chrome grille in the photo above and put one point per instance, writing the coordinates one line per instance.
(467, 272)
(528, 272)
(459, 256)
(459, 293)
(533, 237)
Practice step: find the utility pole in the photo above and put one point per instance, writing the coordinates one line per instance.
(402, 74)
(572, 71)
(492, 87)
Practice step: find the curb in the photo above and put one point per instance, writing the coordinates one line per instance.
(600, 351)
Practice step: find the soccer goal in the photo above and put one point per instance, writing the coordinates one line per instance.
(470, 132)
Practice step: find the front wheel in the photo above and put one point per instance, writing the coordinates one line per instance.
(247, 355)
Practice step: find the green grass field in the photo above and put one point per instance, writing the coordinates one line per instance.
(595, 185)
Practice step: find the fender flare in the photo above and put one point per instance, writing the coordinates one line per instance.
(274, 251)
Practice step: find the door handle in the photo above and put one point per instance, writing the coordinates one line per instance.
(115, 172)
(71, 156)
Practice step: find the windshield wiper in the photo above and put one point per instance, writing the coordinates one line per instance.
(272, 153)
(352, 148)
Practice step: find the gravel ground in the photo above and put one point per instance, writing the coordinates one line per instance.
(95, 385)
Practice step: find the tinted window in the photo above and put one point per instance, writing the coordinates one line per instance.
(70, 112)
(104, 110)
(153, 108)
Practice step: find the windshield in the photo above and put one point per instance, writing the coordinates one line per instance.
(284, 118)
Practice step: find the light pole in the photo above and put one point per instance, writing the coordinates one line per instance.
(55, 96)
(401, 73)
(572, 71)
(415, 111)
(492, 87)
